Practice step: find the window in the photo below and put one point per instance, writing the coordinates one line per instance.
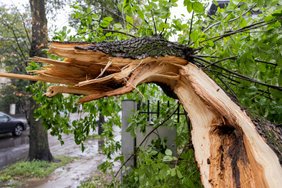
(3, 118)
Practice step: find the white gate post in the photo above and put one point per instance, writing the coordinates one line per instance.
(127, 141)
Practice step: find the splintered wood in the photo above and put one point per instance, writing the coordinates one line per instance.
(96, 74)
(228, 149)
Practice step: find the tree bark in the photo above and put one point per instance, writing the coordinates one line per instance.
(231, 150)
(38, 140)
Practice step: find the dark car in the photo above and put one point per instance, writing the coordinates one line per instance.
(12, 125)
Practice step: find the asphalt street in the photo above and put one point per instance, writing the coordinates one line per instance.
(13, 148)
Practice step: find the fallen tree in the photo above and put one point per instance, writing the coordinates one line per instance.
(231, 150)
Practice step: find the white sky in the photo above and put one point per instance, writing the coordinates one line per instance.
(60, 20)
(17, 3)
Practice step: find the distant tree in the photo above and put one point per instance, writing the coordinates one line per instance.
(14, 49)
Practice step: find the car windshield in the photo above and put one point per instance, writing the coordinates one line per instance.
(4, 117)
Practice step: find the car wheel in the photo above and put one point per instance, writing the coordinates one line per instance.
(18, 130)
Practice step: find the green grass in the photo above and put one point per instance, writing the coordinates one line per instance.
(95, 136)
(100, 180)
(24, 170)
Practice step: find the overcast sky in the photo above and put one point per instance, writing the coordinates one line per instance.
(18, 3)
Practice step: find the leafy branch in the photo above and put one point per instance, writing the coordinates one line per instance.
(231, 20)
(124, 20)
(243, 29)
(120, 32)
(239, 75)
(224, 59)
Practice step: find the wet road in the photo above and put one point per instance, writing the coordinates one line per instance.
(13, 148)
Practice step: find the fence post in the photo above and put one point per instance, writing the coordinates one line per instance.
(12, 109)
(127, 141)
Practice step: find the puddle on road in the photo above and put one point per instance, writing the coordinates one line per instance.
(34, 183)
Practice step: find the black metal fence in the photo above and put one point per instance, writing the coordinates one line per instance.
(146, 108)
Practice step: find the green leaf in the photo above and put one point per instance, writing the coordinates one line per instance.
(268, 18)
(33, 66)
(262, 68)
(173, 172)
(210, 43)
(167, 158)
(280, 79)
(179, 175)
(168, 152)
(126, 3)
(243, 23)
(106, 21)
(194, 35)
(188, 5)
(129, 19)
(198, 7)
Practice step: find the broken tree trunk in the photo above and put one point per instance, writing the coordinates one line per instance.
(231, 151)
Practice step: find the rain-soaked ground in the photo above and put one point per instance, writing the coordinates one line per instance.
(74, 173)
(70, 176)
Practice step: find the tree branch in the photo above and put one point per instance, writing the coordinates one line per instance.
(224, 59)
(231, 20)
(228, 87)
(25, 29)
(154, 22)
(241, 76)
(115, 31)
(243, 29)
(166, 18)
(265, 62)
(190, 31)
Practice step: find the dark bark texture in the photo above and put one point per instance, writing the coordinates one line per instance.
(139, 48)
(38, 142)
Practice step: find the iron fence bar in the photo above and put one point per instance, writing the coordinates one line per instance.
(148, 111)
(158, 109)
(157, 112)
(178, 112)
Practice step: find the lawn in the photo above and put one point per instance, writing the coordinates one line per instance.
(22, 171)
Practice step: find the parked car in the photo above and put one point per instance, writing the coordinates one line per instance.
(9, 124)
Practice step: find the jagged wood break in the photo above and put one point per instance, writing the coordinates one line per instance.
(228, 149)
